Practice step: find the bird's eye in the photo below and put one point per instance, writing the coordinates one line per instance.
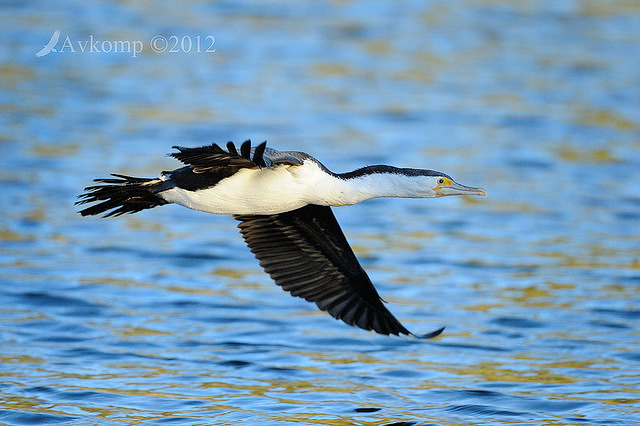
(440, 181)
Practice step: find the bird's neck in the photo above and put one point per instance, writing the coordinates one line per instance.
(370, 182)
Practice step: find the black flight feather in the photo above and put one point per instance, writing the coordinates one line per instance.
(245, 149)
(258, 155)
(232, 148)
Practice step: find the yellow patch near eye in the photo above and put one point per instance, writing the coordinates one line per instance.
(447, 182)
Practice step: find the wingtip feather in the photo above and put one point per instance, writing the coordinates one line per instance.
(431, 335)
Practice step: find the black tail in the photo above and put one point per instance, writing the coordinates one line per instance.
(126, 195)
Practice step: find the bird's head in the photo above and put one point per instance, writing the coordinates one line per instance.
(442, 185)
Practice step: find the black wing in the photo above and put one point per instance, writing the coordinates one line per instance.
(211, 157)
(307, 254)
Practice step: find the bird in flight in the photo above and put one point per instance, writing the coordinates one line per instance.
(283, 200)
(50, 46)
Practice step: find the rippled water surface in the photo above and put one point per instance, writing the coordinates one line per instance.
(165, 317)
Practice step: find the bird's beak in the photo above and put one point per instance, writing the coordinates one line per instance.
(454, 188)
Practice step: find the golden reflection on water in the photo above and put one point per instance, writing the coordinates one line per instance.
(158, 316)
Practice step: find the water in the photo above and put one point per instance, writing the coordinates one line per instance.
(164, 317)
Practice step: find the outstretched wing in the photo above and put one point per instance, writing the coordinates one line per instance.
(307, 254)
(210, 157)
(213, 157)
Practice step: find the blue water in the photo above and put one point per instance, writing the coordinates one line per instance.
(164, 317)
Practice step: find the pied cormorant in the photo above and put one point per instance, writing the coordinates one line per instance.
(283, 201)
